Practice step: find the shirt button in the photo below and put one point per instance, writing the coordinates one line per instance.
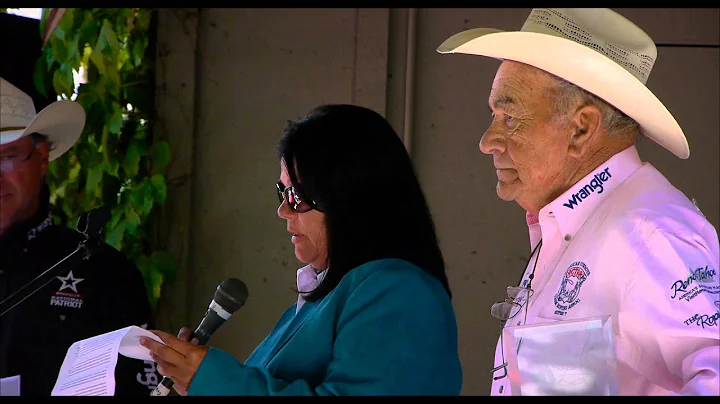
(25, 249)
(568, 237)
(1, 272)
(518, 323)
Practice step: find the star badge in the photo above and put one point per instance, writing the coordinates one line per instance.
(69, 282)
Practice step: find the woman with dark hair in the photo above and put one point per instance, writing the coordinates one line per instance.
(373, 315)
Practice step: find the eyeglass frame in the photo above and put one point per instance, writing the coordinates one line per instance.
(285, 192)
(15, 163)
(511, 300)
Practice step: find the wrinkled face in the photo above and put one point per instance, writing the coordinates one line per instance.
(307, 229)
(23, 164)
(529, 149)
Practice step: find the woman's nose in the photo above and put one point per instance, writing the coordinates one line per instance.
(284, 211)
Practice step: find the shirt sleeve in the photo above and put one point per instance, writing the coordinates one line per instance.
(670, 312)
(384, 345)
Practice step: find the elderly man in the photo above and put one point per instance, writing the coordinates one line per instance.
(609, 234)
(84, 299)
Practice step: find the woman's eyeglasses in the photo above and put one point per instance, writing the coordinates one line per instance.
(293, 198)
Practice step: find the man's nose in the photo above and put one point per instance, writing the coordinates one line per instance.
(492, 141)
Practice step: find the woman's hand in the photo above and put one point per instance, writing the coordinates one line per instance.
(178, 359)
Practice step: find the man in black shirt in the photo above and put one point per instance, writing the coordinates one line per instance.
(84, 298)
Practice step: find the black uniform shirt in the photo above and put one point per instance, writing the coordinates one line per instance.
(85, 299)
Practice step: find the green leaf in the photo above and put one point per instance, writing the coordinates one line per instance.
(94, 175)
(43, 19)
(160, 188)
(74, 52)
(66, 23)
(132, 218)
(160, 154)
(116, 215)
(39, 77)
(138, 50)
(49, 56)
(107, 36)
(88, 31)
(116, 234)
(154, 283)
(132, 160)
(98, 60)
(63, 80)
(59, 168)
(60, 49)
(116, 120)
(147, 206)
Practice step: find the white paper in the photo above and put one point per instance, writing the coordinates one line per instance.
(89, 365)
(10, 386)
(574, 357)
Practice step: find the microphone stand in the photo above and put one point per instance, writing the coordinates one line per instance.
(92, 232)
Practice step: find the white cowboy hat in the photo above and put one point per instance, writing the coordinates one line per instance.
(62, 121)
(596, 49)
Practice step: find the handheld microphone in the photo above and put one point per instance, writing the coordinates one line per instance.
(230, 296)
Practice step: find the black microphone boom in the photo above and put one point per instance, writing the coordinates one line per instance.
(91, 225)
(230, 296)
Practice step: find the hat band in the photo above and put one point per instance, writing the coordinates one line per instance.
(12, 128)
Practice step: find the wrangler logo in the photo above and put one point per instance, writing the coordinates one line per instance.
(596, 184)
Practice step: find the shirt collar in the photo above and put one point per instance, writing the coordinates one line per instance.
(28, 230)
(308, 278)
(571, 209)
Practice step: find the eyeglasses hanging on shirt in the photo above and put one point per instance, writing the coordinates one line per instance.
(518, 297)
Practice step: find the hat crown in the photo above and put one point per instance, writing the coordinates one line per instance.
(17, 109)
(602, 30)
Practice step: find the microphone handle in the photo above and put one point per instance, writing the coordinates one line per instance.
(166, 384)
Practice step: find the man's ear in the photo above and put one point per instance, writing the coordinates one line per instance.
(586, 124)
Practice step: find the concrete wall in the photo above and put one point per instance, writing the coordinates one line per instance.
(229, 78)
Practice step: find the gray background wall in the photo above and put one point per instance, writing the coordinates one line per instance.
(229, 78)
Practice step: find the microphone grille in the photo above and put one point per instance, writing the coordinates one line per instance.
(231, 294)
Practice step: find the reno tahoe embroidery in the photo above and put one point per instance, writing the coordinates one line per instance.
(700, 280)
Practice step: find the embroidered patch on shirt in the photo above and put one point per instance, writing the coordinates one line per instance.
(700, 280)
(593, 186)
(705, 320)
(68, 295)
(567, 297)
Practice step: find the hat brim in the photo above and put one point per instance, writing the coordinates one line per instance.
(62, 122)
(582, 66)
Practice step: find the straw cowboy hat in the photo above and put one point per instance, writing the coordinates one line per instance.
(596, 49)
(62, 121)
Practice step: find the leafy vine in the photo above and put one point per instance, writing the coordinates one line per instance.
(117, 162)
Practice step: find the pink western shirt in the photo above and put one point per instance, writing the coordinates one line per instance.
(635, 248)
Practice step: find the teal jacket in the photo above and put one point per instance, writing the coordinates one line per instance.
(388, 328)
